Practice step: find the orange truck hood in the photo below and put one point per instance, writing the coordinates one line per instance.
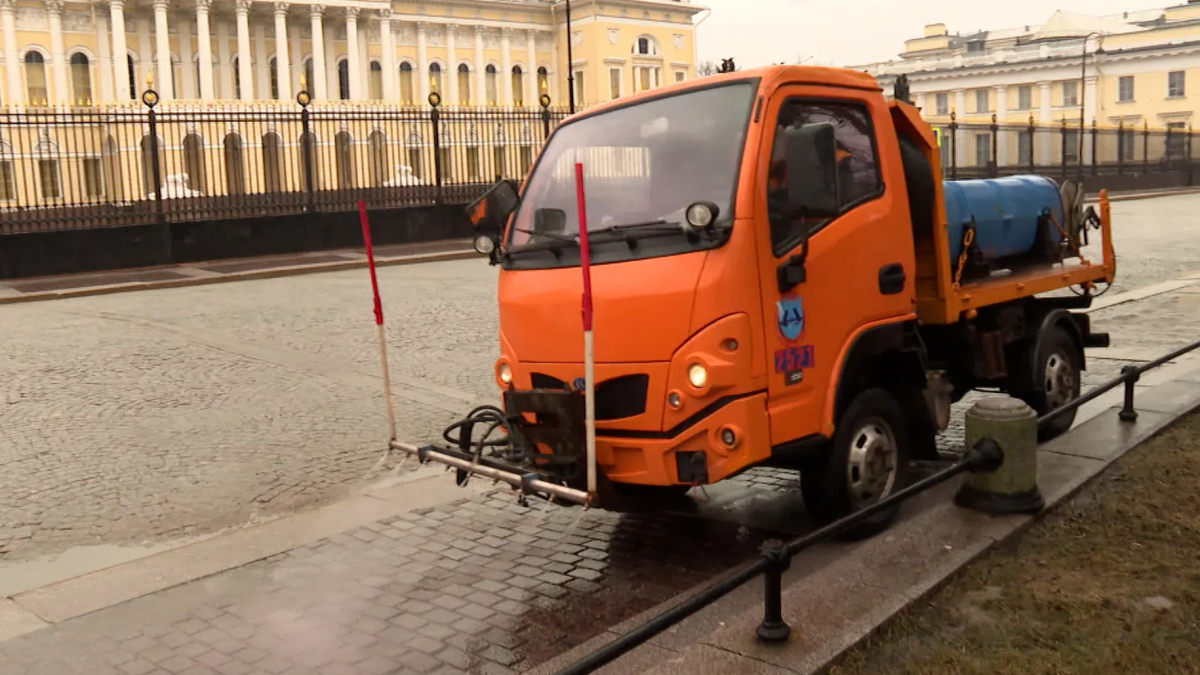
(643, 310)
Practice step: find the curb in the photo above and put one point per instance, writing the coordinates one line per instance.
(269, 273)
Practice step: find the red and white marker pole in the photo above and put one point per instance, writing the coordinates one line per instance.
(589, 356)
(387, 383)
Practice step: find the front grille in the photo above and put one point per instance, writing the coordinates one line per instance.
(616, 399)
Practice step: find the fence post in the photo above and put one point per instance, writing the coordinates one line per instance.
(773, 628)
(544, 99)
(1095, 155)
(306, 149)
(995, 147)
(1146, 143)
(1131, 375)
(1011, 487)
(1188, 161)
(150, 100)
(1120, 147)
(1032, 145)
(435, 116)
(953, 145)
(1063, 133)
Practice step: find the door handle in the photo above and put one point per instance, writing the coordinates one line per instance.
(891, 279)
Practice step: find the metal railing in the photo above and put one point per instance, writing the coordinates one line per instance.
(89, 168)
(776, 556)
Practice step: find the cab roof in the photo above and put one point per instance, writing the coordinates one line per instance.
(771, 76)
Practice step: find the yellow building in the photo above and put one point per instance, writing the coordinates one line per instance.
(73, 130)
(1142, 72)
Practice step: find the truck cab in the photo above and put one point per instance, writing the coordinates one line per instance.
(773, 284)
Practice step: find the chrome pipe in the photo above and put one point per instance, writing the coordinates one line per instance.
(515, 480)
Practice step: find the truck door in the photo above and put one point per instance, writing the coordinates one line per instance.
(859, 265)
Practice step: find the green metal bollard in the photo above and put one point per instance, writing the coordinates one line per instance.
(1012, 488)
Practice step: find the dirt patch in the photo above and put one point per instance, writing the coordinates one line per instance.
(1108, 583)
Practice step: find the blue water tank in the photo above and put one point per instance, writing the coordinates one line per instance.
(1006, 212)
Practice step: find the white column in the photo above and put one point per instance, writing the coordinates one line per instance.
(353, 55)
(320, 75)
(204, 51)
(1002, 136)
(8, 19)
(104, 50)
(188, 88)
(1045, 136)
(422, 62)
(531, 77)
(331, 71)
(506, 97)
(245, 57)
(162, 51)
(450, 77)
(960, 138)
(282, 58)
(58, 52)
(387, 43)
(480, 69)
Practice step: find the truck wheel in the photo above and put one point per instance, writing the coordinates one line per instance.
(868, 461)
(1056, 369)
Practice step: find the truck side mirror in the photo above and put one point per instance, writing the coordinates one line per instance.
(490, 212)
(812, 180)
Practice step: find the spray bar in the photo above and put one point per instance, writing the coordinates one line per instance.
(526, 483)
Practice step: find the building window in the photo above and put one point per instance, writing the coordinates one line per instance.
(273, 70)
(493, 86)
(48, 179)
(309, 79)
(543, 81)
(445, 155)
(344, 79)
(435, 78)
(526, 160)
(1176, 140)
(645, 46)
(133, 83)
(272, 178)
(1125, 89)
(375, 81)
(1024, 148)
(518, 86)
(35, 78)
(500, 161)
(377, 155)
(193, 162)
(1025, 97)
(976, 46)
(982, 101)
(942, 104)
(464, 84)
(579, 86)
(983, 149)
(235, 168)
(93, 177)
(614, 82)
(1070, 93)
(237, 79)
(680, 76)
(473, 163)
(647, 77)
(1071, 148)
(344, 159)
(81, 79)
(858, 171)
(406, 83)
(8, 184)
(1175, 84)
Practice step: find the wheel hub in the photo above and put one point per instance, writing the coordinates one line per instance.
(872, 466)
(1058, 381)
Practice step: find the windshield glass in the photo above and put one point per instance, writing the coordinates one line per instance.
(643, 164)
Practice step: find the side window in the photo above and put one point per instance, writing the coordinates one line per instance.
(858, 168)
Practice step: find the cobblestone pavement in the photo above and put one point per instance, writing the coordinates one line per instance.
(478, 586)
(150, 415)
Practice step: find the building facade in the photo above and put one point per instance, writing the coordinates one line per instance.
(1125, 74)
(473, 52)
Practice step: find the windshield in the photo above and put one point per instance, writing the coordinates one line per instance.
(643, 165)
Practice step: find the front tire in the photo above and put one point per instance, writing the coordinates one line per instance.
(868, 461)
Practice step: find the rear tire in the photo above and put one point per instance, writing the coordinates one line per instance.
(868, 461)
(1056, 373)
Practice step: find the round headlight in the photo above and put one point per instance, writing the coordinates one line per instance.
(701, 215)
(697, 376)
(484, 245)
(505, 373)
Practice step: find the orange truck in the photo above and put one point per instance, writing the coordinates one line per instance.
(781, 277)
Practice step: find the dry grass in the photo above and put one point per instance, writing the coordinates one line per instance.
(1107, 583)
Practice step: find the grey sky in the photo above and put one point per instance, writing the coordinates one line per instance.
(850, 32)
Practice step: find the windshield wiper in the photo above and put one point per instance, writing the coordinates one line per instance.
(549, 235)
